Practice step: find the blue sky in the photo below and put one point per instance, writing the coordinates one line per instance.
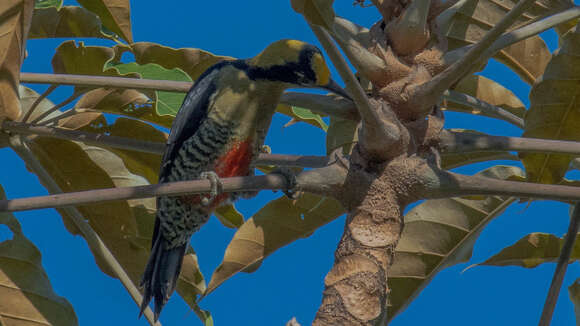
(289, 283)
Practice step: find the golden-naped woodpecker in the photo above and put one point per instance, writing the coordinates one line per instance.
(220, 128)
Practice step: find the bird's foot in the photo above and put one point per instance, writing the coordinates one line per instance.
(291, 191)
(215, 184)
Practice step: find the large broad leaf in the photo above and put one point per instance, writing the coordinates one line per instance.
(14, 25)
(318, 12)
(71, 58)
(27, 295)
(69, 21)
(574, 292)
(126, 102)
(192, 61)
(167, 103)
(438, 234)
(115, 15)
(555, 111)
(527, 58)
(488, 91)
(126, 227)
(277, 224)
(532, 250)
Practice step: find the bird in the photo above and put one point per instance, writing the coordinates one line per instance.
(217, 132)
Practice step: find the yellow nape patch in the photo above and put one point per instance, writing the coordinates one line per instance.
(321, 70)
(279, 53)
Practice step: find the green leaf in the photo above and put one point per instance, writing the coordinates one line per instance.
(555, 111)
(305, 114)
(115, 15)
(532, 250)
(192, 61)
(166, 102)
(277, 224)
(341, 133)
(42, 4)
(69, 21)
(27, 295)
(438, 234)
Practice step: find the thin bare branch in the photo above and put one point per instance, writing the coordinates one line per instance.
(464, 142)
(270, 181)
(147, 146)
(92, 238)
(60, 116)
(100, 81)
(85, 137)
(560, 271)
(448, 184)
(429, 92)
(45, 114)
(491, 110)
(39, 99)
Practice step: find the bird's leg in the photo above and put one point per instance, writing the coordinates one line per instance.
(291, 182)
(215, 184)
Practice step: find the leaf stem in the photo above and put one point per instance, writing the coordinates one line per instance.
(39, 99)
(560, 271)
(489, 109)
(92, 238)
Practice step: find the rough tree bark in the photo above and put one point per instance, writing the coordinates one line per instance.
(396, 157)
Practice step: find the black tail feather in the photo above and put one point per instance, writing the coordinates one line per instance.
(161, 274)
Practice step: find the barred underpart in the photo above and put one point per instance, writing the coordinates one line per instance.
(179, 220)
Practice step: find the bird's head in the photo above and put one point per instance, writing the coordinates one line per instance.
(296, 63)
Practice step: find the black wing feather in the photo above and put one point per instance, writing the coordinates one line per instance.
(190, 116)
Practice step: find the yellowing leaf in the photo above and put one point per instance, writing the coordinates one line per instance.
(27, 295)
(277, 224)
(69, 21)
(14, 24)
(127, 102)
(488, 91)
(527, 58)
(574, 292)
(532, 250)
(229, 216)
(555, 111)
(192, 61)
(115, 15)
(318, 12)
(438, 234)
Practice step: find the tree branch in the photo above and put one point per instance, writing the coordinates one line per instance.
(560, 271)
(462, 142)
(378, 129)
(489, 109)
(429, 92)
(39, 99)
(92, 238)
(147, 146)
(330, 105)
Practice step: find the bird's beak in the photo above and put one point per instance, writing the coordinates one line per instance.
(336, 89)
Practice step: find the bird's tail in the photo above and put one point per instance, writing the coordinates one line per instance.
(161, 273)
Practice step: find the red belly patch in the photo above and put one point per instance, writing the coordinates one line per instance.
(235, 162)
